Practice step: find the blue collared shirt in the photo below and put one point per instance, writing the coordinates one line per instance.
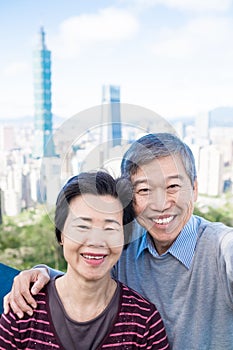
(183, 247)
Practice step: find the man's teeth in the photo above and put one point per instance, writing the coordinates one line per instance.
(164, 221)
(93, 257)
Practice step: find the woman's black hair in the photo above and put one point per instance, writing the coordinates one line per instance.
(98, 183)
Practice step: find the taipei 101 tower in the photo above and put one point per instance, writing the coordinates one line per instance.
(43, 144)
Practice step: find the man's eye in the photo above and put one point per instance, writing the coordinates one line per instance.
(173, 187)
(142, 191)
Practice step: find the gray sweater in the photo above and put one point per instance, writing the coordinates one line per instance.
(196, 304)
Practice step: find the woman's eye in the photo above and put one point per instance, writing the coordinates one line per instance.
(110, 229)
(83, 227)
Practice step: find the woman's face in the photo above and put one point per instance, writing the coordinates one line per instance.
(93, 235)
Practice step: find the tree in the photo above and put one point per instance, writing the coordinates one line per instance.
(0, 206)
(222, 214)
(25, 244)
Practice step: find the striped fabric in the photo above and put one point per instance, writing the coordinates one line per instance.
(138, 325)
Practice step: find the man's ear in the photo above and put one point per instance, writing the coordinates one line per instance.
(195, 190)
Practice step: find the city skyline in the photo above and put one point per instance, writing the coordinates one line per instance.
(171, 57)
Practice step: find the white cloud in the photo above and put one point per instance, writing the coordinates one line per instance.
(14, 69)
(184, 5)
(198, 37)
(194, 64)
(108, 25)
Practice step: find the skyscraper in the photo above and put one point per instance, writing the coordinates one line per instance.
(111, 96)
(43, 145)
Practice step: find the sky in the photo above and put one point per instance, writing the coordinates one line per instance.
(174, 57)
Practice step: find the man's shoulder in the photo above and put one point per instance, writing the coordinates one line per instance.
(213, 227)
(214, 233)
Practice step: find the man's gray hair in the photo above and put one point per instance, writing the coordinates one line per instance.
(151, 146)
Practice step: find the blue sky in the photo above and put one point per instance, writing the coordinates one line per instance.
(172, 56)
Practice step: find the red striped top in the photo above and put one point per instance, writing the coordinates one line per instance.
(138, 325)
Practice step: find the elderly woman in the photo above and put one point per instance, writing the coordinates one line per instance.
(86, 308)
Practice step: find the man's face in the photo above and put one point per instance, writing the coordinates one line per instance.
(163, 199)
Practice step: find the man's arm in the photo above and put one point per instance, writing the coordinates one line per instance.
(20, 298)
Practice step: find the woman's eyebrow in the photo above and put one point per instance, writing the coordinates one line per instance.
(84, 218)
(112, 221)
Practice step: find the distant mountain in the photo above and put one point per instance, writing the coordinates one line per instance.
(18, 120)
(187, 120)
(27, 120)
(221, 116)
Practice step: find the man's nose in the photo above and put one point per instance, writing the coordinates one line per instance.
(159, 200)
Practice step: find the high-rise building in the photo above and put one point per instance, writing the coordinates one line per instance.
(43, 145)
(112, 114)
(202, 128)
(7, 138)
(210, 171)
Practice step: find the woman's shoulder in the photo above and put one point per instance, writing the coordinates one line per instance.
(134, 298)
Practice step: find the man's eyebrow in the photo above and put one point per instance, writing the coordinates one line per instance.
(139, 181)
(176, 176)
(145, 180)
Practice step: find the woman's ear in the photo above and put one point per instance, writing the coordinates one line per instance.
(62, 239)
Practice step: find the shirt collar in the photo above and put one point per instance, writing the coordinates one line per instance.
(183, 247)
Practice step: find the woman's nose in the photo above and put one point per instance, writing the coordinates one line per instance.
(96, 238)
